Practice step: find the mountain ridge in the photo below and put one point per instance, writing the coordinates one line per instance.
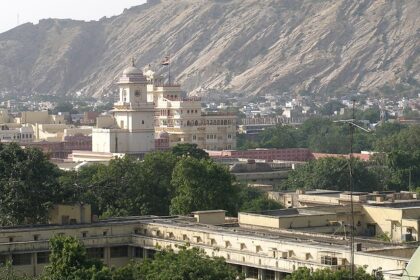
(245, 47)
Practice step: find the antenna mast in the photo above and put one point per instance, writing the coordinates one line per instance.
(351, 128)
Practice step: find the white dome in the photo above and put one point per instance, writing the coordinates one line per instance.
(132, 70)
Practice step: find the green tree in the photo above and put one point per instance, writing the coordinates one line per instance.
(28, 185)
(407, 139)
(402, 151)
(253, 200)
(129, 187)
(69, 261)
(202, 185)
(331, 174)
(279, 137)
(64, 107)
(8, 273)
(328, 274)
(191, 150)
(187, 264)
(157, 171)
(330, 107)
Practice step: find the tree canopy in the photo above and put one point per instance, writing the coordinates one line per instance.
(68, 260)
(331, 174)
(328, 274)
(29, 185)
(202, 185)
(186, 149)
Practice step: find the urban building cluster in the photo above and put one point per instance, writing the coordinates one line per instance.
(148, 115)
(313, 231)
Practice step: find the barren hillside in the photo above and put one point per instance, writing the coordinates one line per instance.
(239, 46)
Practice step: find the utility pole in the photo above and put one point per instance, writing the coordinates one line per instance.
(352, 125)
(351, 128)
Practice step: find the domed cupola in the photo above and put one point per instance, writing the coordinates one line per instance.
(132, 74)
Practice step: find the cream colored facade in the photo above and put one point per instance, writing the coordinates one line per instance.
(395, 215)
(130, 130)
(40, 117)
(181, 117)
(34, 126)
(260, 245)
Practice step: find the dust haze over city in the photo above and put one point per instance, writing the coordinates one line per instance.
(217, 139)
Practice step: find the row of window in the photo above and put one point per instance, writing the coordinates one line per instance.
(94, 253)
(18, 136)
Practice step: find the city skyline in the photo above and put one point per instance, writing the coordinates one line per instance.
(19, 12)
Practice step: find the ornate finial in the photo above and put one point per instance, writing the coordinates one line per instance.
(133, 62)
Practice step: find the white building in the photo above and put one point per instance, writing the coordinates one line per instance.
(130, 129)
(182, 119)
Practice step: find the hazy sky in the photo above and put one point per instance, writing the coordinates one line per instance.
(34, 10)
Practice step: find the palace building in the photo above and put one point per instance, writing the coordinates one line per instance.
(153, 115)
(130, 129)
(182, 119)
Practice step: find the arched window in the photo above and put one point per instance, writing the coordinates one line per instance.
(196, 123)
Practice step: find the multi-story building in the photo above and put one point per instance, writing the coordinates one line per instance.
(265, 246)
(182, 118)
(130, 129)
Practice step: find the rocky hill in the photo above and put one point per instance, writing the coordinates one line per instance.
(239, 46)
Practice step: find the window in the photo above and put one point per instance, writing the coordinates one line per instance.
(119, 252)
(3, 259)
(328, 260)
(105, 233)
(138, 252)
(11, 239)
(21, 259)
(252, 272)
(43, 257)
(194, 137)
(95, 253)
(65, 220)
(36, 237)
(142, 122)
(229, 136)
(151, 254)
(270, 275)
(84, 234)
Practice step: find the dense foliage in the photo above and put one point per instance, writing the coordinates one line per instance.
(332, 174)
(202, 185)
(28, 185)
(327, 274)
(324, 136)
(395, 167)
(68, 260)
(177, 181)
